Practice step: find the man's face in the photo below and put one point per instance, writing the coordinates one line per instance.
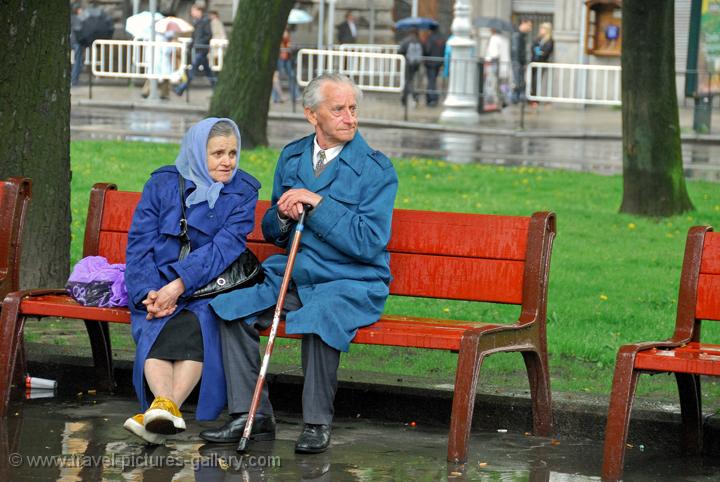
(195, 12)
(525, 26)
(335, 118)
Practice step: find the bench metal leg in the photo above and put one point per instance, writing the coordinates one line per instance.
(539, 378)
(11, 328)
(466, 378)
(691, 412)
(99, 333)
(618, 420)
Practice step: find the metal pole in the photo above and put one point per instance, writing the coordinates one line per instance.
(153, 82)
(234, 8)
(321, 24)
(331, 24)
(372, 22)
(414, 11)
(136, 7)
(460, 105)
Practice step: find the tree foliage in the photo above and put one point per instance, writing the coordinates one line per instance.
(243, 89)
(653, 179)
(35, 129)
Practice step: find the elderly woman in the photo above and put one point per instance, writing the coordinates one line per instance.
(178, 343)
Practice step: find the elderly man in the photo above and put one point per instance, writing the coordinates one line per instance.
(341, 276)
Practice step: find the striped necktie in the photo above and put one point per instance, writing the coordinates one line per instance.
(321, 163)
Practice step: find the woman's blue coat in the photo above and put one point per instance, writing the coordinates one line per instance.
(342, 270)
(217, 237)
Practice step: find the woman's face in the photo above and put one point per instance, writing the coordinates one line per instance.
(221, 157)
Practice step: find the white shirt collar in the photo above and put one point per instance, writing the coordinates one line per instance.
(330, 153)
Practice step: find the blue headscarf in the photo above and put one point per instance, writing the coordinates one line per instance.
(191, 162)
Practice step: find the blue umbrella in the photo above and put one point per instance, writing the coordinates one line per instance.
(420, 23)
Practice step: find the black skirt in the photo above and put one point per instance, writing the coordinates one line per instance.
(180, 339)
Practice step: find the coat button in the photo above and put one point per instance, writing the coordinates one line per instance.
(211, 215)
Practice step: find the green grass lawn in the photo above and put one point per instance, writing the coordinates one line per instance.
(614, 277)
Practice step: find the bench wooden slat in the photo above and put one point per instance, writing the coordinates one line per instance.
(112, 245)
(64, 306)
(711, 254)
(118, 210)
(457, 234)
(708, 300)
(698, 358)
(457, 278)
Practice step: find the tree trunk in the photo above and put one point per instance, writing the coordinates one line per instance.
(243, 89)
(35, 129)
(653, 179)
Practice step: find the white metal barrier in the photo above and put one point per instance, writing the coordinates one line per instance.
(138, 59)
(370, 48)
(217, 53)
(573, 83)
(370, 71)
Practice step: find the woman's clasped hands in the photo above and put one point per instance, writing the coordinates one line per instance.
(163, 302)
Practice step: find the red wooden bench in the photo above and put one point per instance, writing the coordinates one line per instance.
(683, 354)
(501, 259)
(15, 194)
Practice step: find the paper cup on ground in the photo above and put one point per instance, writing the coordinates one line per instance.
(34, 382)
(38, 393)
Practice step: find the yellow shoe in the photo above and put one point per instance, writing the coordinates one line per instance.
(136, 425)
(164, 417)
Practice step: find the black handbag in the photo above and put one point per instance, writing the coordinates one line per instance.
(243, 272)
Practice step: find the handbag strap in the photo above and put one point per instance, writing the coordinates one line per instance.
(184, 238)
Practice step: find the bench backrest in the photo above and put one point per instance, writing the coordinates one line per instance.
(15, 196)
(502, 259)
(708, 296)
(699, 297)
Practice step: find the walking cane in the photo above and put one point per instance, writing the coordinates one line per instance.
(242, 446)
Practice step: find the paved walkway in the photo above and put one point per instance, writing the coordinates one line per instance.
(80, 437)
(556, 120)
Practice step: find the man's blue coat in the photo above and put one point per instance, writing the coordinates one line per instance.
(342, 270)
(217, 238)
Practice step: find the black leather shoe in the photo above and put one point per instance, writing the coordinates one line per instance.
(231, 432)
(314, 439)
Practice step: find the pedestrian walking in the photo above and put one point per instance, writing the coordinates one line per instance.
(518, 54)
(347, 31)
(542, 49)
(202, 34)
(412, 49)
(286, 65)
(435, 51)
(498, 52)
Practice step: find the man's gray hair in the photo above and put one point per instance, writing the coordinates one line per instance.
(312, 97)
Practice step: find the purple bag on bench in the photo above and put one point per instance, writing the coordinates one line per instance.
(95, 282)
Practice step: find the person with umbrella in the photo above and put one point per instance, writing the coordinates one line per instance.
(413, 50)
(342, 274)
(202, 34)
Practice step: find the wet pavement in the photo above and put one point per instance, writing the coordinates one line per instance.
(554, 136)
(82, 439)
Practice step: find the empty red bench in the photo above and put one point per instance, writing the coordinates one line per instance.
(683, 354)
(500, 259)
(15, 194)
